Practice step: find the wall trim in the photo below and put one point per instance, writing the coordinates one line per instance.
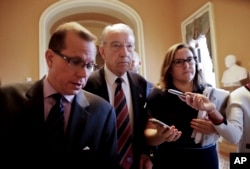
(65, 8)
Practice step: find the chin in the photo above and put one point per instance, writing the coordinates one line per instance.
(74, 92)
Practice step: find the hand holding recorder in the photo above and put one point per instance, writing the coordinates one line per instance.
(164, 131)
(158, 122)
(176, 92)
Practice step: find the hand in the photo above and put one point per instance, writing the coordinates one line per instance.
(169, 134)
(157, 134)
(204, 126)
(145, 162)
(199, 102)
(202, 103)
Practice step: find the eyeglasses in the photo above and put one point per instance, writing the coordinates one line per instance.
(180, 62)
(116, 46)
(76, 63)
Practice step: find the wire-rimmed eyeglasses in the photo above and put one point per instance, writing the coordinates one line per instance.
(116, 46)
(180, 62)
(76, 63)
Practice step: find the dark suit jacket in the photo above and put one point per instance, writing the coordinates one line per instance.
(96, 84)
(91, 127)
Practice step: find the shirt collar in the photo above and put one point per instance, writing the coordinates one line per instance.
(111, 77)
(48, 90)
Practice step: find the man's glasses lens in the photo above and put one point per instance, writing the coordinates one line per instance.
(76, 63)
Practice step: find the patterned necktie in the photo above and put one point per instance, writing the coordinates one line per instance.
(123, 126)
(55, 125)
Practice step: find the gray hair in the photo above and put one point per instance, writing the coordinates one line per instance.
(119, 27)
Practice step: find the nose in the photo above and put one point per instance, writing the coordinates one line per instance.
(123, 48)
(125, 52)
(185, 63)
(83, 72)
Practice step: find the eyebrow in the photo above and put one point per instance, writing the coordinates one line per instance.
(185, 58)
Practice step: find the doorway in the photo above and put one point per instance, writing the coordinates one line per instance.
(205, 61)
(198, 31)
(63, 9)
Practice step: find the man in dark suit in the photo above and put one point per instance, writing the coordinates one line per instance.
(89, 136)
(117, 48)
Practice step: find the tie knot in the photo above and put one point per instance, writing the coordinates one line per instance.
(58, 97)
(119, 80)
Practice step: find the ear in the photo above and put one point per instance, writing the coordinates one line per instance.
(102, 52)
(49, 54)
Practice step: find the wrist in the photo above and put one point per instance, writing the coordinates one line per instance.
(215, 117)
(218, 120)
(212, 111)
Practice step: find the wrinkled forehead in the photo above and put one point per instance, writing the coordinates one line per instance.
(124, 36)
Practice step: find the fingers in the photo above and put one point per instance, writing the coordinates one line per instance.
(203, 126)
(189, 98)
(172, 134)
(163, 129)
(197, 101)
(182, 98)
(169, 134)
(177, 136)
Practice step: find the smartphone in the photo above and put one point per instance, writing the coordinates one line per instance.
(158, 122)
(176, 92)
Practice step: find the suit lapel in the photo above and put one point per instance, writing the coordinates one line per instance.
(34, 107)
(33, 118)
(138, 99)
(77, 121)
(103, 85)
(136, 92)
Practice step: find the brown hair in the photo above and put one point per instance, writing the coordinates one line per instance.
(56, 42)
(166, 79)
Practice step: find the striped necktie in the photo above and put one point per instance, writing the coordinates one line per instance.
(55, 125)
(123, 127)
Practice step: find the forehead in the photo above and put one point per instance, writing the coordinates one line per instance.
(73, 40)
(90, 49)
(120, 36)
(183, 53)
(81, 48)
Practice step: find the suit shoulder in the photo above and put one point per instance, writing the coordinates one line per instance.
(98, 105)
(93, 97)
(137, 77)
(14, 88)
(94, 80)
(93, 75)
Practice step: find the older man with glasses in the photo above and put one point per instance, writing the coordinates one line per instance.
(116, 49)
